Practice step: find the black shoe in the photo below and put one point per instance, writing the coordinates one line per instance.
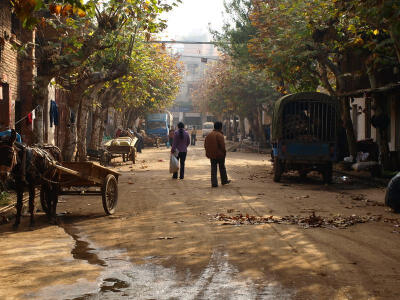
(214, 186)
(173, 177)
(180, 177)
(229, 181)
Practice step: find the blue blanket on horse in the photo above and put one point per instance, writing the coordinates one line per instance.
(8, 133)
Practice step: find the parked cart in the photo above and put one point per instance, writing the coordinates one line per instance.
(122, 147)
(87, 178)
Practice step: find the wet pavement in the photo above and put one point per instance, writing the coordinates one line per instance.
(121, 279)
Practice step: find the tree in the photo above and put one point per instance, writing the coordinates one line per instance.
(229, 90)
(96, 49)
(333, 41)
(304, 42)
(152, 84)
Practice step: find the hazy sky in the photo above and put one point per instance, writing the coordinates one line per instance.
(191, 19)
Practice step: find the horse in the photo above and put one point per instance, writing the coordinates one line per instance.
(24, 167)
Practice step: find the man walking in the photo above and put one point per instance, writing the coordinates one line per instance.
(216, 152)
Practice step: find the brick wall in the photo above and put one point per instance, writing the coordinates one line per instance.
(9, 66)
(16, 71)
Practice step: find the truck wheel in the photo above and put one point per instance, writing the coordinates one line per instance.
(392, 198)
(278, 170)
(327, 173)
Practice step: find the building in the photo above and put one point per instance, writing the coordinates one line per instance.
(17, 72)
(195, 59)
(363, 111)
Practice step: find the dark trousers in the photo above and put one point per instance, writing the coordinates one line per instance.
(181, 157)
(193, 140)
(222, 171)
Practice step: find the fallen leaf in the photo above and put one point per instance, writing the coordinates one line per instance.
(166, 238)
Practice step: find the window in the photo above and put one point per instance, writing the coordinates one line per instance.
(155, 125)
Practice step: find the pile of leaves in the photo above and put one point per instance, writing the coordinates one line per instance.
(311, 221)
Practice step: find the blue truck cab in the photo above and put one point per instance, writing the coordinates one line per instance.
(158, 125)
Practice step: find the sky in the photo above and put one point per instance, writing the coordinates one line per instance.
(190, 20)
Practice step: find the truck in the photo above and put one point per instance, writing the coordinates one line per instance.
(304, 134)
(158, 125)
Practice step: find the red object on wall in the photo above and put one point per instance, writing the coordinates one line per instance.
(29, 119)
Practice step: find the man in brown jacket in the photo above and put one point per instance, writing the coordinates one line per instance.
(216, 152)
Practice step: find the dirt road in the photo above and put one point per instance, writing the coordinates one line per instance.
(164, 242)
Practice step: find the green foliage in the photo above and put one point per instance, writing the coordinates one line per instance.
(229, 88)
(304, 43)
(152, 82)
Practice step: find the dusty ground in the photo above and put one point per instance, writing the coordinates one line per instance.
(164, 243)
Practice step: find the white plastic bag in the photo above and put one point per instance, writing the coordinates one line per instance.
(173, 164)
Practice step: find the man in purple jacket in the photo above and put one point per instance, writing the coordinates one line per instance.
(181, 142)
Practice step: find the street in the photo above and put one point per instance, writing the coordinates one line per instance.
(165, 242)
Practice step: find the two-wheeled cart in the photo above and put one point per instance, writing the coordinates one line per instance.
(87, 178)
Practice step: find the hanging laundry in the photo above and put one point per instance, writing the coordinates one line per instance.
(29, 118)
(53, 113)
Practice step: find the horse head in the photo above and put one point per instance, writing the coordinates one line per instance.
(8, 156)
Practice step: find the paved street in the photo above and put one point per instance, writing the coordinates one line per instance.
(165, 243)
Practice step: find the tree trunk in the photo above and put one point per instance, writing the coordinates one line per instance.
(96, 124)
(242, 128)
(383, 132)
(348, 125)
(81, 154)
(262, 139)
(235, 129)
(70, 135)
(344, 105)
(41, 98)
(131, 119)
(103, 117)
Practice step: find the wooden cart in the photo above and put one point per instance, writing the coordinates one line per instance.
(87, 178)
(127, 149)
(127, 152)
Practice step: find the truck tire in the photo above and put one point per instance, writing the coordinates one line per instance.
(327, 173)
(392, 198)
(278, 170)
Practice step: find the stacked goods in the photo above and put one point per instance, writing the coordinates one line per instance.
(121, 141)
(295, 126)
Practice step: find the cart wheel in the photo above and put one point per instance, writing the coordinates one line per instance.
(278, 170)
(44, 195)
(109, 192)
